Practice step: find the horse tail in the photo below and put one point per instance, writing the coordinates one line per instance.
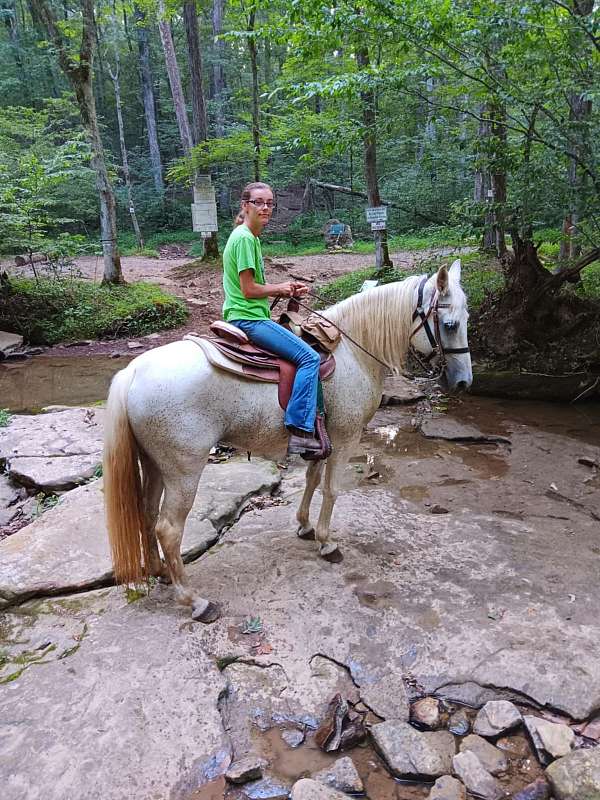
(123, 498)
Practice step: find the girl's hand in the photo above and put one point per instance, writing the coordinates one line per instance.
(291, 289)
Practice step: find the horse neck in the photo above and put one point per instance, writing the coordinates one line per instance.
(380, 321)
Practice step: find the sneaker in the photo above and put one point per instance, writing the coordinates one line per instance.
(304, 442)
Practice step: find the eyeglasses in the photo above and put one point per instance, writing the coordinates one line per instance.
(262, 203)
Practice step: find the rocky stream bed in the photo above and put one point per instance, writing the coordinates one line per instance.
(455, 653)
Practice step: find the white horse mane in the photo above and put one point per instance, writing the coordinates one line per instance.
(380, 319)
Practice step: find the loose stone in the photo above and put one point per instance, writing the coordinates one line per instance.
(447, 788)
(492, 759)
(576, 776)
(517, 746)
(478, 780)
(266, 789)
(426, 712)
(550, 739)
(293, 737)
(246, 769)
(307, 789)
(497, 717)
(459, 723)
(538, 790)
(341, 775)
(409, 752)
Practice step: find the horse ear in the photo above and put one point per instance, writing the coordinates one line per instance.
(455, 270)
(441, 280)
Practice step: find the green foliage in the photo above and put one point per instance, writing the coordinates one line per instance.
(47, 311)
(480, 276)
(5, 417)
(590, 281)
(44, 502)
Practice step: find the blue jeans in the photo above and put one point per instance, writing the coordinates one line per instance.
(302, 407)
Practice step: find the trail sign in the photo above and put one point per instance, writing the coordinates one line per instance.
(379, 225)
(376, 213)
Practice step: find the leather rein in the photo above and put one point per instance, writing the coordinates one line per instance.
(435, 338)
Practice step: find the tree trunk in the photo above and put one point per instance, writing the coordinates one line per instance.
(253, 51)
(114, 74)
(79, 74)
(199, 127)
(499, 175)
(382, 257)
(199, 124)
(483, 179)
(166, 38)
(148, 97)
(218, 70)
(580, 111)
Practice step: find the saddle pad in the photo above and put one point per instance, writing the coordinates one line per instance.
(220, 360)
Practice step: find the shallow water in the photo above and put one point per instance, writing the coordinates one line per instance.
(43, 381)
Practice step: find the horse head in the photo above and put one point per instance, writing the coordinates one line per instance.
(440, 327)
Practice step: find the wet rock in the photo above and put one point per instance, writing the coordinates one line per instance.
(459, 723)
(55, 451)
(9, 342)
(341, 775)
(398, 390)
(246, 769)
(538, 790)
(293, 737)
(517, 746)
(447, 788)
(576, 776)
(550, 739)
(592, 729)
(437, 509)
(492, 759)
(409, 752)
(308, 789)
(342, 727)
(453, 431)
(588, 462)
(66, 548)
(426, 712)
(475, 777)
(497, 717)
(266, 789)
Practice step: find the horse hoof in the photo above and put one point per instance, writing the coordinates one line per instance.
(334, 556)
(211, 613)
(308, 534)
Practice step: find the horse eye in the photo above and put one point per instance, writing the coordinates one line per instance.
(451, 325)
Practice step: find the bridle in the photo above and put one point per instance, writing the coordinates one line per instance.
(435, 338)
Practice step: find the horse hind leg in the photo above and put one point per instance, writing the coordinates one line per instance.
(177, 503)
(314, 473)
(152, 492)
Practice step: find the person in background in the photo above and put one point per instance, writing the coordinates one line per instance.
(247, 307)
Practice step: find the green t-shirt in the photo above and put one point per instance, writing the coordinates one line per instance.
(242, 251)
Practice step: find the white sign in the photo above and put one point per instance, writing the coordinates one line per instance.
(378, 226)
(368, 285)
(204, 207)
(376, 214)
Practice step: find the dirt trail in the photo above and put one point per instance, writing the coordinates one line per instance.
(202, 290)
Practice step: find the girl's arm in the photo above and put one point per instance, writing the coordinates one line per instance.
(252, 290)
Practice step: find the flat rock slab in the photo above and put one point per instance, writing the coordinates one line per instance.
(128, 708)
(398, 390)
(55, 451)
(66, 549)
(453, 431)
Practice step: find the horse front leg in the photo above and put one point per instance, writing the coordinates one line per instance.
(177, 503)
(314, 472)
(336, 463)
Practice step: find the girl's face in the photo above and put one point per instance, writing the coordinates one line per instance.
(259, 208)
